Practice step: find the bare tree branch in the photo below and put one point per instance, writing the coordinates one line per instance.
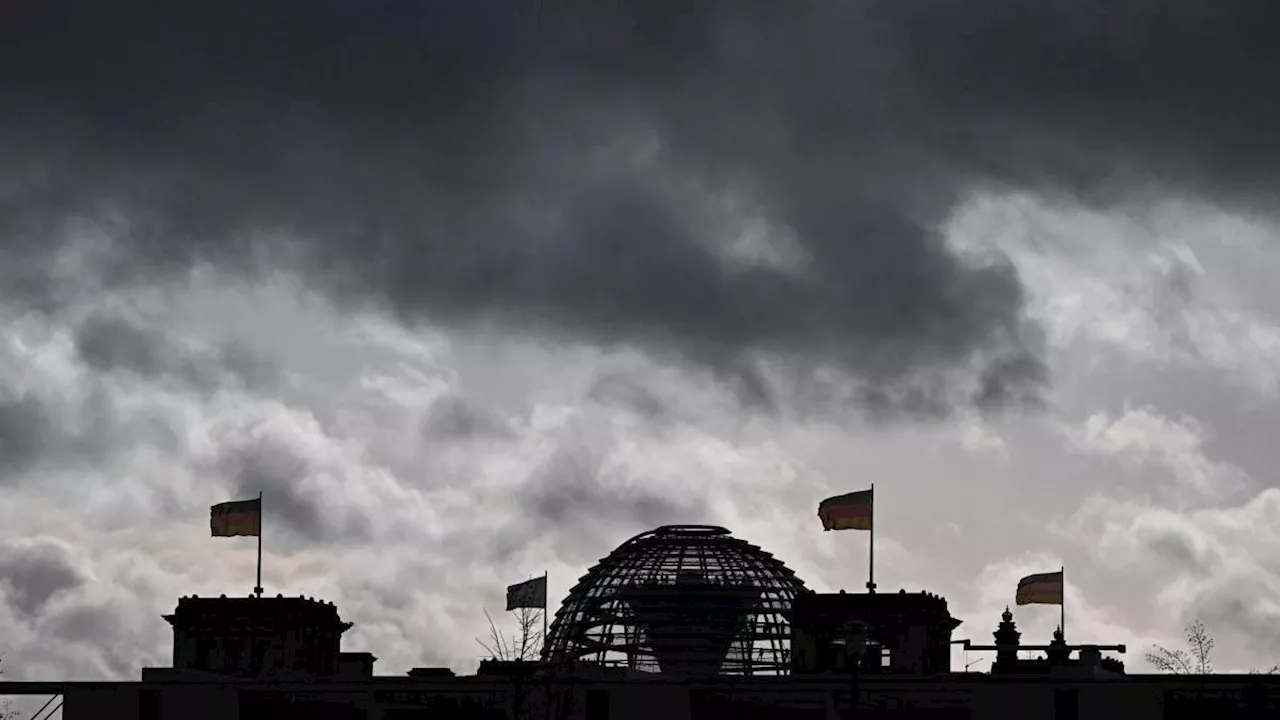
(1170, 661)
(1201, 647)
(1199, 661)
(530, 635)
(525, 645)
(496, 647)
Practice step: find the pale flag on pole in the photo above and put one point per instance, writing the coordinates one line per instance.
(528, 594)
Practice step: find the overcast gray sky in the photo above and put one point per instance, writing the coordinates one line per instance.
(473, 291)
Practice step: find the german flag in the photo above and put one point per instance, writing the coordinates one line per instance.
(851, 511)
(1041, 589)
(240, 517)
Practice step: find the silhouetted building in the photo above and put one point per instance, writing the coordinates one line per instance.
(1057, 654)
(508, 668)
(355, 665)
(257, 636)
(682, 600)
(903, 633)
(699, 614)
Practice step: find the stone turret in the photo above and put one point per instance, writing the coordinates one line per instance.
(1058, 652)
(257, 636)
(1007, 639)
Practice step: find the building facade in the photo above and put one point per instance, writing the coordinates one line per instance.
(680, 623)
(976, 697)
(245, 659)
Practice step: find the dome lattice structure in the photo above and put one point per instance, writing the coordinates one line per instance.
(681, 599)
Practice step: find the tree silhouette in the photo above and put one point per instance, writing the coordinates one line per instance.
(1197, 661)
(524, 647)
(526, 644)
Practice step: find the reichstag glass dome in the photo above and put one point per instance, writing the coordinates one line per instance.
(681, 599)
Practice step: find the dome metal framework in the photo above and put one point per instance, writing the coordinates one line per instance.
(681, 599)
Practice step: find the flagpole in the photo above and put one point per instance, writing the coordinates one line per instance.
(257, 589)
(1062, 623)
(545, 593)
(871, 545)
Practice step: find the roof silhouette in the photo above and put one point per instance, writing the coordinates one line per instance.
(680, 599)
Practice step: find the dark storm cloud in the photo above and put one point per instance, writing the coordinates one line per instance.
(1090, 96)
(34, 572)
(446, 157)
(84, 624)
(1243, 609)
(573, 493)
(619, 389)
(24, 434)
(111, 342)
(279, 471)
(107, 344)
(457, 418)
(1180, 548)
(104, 636)
(41, 431)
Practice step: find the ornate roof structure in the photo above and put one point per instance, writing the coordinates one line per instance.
(681, 599)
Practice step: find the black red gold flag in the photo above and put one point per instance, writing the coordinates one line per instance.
(236, 518)
(851, 511)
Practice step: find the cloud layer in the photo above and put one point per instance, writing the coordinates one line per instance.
(599, 170)
(474, 289)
